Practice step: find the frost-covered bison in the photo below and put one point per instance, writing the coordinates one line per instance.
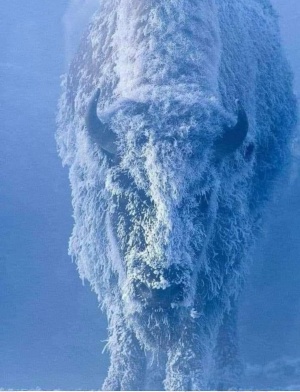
(175, 120)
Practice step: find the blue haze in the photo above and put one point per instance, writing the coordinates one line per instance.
(51, 331)
(51, 327)
(270, 309)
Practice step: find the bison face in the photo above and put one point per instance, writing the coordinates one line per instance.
(163, 176)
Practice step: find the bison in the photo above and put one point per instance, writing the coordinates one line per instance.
(176, 120)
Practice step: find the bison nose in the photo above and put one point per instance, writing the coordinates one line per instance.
(155, 297)
(166, 297)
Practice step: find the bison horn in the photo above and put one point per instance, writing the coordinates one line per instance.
(99, 132)
(233, 137)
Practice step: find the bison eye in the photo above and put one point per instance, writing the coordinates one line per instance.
(249, 150)
(203, 199)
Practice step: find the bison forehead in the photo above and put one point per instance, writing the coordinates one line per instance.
(167, 145)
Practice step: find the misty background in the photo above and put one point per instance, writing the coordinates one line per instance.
(52, 332)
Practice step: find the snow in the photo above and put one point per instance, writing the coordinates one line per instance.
(167, 91)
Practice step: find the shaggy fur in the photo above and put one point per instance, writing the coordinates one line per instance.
(164, 227)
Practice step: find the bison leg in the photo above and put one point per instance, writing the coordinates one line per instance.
(191, 359)
(128, 361)
(156, 371)
(186, 359)
(229, 368)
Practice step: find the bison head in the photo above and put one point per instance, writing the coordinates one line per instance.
(163, 185)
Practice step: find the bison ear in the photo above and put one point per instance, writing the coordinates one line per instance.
(233, 137)
(99, 132)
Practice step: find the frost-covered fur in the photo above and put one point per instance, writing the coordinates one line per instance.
(164, 229)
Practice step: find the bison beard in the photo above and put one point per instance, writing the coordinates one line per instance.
(175, 120)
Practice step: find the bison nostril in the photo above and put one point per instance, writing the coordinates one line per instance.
(159, 297)
(142, 290)
(172, 294)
